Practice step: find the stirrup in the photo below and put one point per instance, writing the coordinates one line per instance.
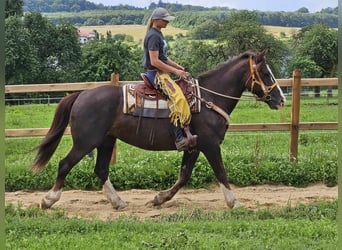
(192, 139)
(182, 145)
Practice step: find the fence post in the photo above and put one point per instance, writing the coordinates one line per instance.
(114, 79)
(294, 130)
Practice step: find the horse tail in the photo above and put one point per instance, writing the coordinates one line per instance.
(51, 140)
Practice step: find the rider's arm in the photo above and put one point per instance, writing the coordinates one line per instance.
(174, 64)
(171, 67)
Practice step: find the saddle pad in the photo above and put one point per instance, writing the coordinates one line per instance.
(150, 106)
(145, 107)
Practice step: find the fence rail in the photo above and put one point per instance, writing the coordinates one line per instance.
(237, 127)
(294, 126)
(65, 87)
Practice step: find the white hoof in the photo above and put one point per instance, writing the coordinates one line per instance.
(237, 204)
(118, 205)
(51, 198)
(112, 196)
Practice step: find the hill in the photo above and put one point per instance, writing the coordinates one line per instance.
(69, 6)
(83, 12)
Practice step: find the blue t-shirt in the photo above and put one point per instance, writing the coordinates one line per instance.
(155, 41)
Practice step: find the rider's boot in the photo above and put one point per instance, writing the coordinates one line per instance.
(182, 143)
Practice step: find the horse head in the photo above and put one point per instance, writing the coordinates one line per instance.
(262, 83)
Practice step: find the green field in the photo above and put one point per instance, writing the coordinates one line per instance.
(276, 31)
(138, 31)
(323, 109)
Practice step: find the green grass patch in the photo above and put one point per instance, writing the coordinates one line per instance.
(301, 227)
(312, 109)
(249, 158)
(29, 116)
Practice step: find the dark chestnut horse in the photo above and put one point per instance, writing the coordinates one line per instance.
(97, 120)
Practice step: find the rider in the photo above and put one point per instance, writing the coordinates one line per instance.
(158, 67)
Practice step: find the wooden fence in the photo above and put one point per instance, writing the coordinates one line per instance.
(294, 126)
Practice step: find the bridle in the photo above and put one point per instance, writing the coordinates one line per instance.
(255, 79)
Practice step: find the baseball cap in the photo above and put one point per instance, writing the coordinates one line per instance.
(161, 13)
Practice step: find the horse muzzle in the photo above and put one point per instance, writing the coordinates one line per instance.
(273, 104)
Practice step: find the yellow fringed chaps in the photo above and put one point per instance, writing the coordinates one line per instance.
(179, 107)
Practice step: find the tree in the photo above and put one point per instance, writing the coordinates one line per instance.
(317, 44)
(57, 45)
(197, 56)
(38, 51)
(309, 69)
(21, 61)
(242, 31)
(14, 8)
(206, 30)
(101, 58)
(303, 10)
(67, 52)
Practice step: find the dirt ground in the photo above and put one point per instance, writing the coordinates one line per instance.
(93, 204)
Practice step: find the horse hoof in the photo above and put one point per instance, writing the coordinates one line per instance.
(120, 205)
(45, 203)
(155, 202)
(234, 204)
(237, 204)
(149, 204)
(51, 198)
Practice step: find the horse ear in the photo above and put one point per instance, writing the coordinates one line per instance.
(261, 56)
(264, 52)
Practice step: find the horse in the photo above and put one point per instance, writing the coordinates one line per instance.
(97, 120)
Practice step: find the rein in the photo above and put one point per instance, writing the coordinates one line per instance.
(211, 105)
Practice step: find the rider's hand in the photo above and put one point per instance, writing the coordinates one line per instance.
(182, 74)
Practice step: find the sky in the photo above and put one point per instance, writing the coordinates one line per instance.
(262, 5)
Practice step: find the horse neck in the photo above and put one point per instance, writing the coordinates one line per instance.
(229, 83)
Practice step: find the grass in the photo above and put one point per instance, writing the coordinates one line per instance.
(249, 158)
(276, 31)
(312, 110)
(138, 31)
(304, 226)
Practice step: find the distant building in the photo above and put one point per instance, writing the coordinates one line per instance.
(84, 37)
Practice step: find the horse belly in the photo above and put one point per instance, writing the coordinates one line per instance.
(145, 133)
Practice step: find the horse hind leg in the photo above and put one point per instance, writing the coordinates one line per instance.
(104, 154)
(65, 166)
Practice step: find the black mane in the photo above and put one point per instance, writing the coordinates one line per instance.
(226, 64)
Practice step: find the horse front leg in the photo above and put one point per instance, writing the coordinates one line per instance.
(213, 155)
(188, 163)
